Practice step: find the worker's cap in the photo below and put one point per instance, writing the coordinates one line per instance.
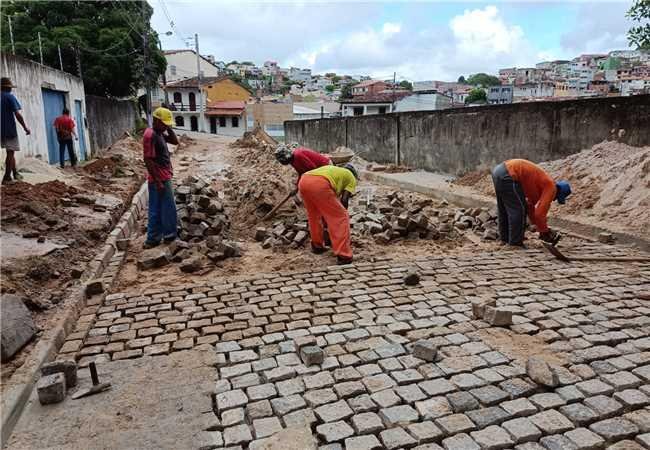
(5, 82)
(294, 145)
(351, 168)
(283, 154)
(164, 115)
(563, 191)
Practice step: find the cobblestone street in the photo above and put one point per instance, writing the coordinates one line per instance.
(467, 388)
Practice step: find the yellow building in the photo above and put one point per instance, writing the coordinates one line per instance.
(224, 89)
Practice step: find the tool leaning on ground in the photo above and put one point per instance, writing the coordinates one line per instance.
(562, 257)
(96, 388)
(278, 206)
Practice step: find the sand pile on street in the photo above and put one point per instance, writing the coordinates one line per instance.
(610, 183)
(46, 195)
(256, 138)
(263, 183)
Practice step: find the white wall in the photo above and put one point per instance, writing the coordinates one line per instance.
(185, 62)
(29, 78)
(423, 102)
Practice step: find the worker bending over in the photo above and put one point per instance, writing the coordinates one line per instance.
(523, 187)
(326, 192)
(302, 159)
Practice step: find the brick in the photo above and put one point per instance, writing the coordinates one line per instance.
(433, 408)
(51, 388)
(237, 435)
(398, 415)
(614, 429)
(461, 441)
(455, 423)
(492, 438)
(231, 399)
(367, 423)
(335, 431)
(551, 422)
(67, 367)
(579, 413)
(425, 350)
(585, 439)
(425, 432)
(522, 430)
(266, 427)
(259, 409)
(396, 438)
(334, 411)
(362, 443)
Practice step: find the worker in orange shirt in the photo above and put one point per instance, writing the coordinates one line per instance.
(523, 187)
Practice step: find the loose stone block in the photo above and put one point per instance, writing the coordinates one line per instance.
(615, 429)
(367, 423)
(237, 435)
(455, 423)
(335, 431)
(312, 355)
(541, 372)
(498, 317)
(585, 439)
(425, 350)
(334, 411)
(425, 432)
(557, 441)
(522, 430)
(398, 415)
(362, 443)
(461, 441)
(551, 422)
(67, 367)
(266, 427)
(51, 388)
(231, 399)
(478, 307)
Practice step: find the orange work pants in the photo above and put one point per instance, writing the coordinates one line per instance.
(321, 202)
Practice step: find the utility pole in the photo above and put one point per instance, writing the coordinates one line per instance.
(147, 84)
(11, 36)
(164, 79)
(40, 47)
(198, 79)
(394, 80)
(78, 58)
(60, 59)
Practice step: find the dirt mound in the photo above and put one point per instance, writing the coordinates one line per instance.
(47, 194)
(472, 178)
(257, 138)
(610, 184)
(101, 165)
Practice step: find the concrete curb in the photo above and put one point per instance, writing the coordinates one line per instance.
(15, 395)
(478, 201)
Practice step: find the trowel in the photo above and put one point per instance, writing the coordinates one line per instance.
(96, 388)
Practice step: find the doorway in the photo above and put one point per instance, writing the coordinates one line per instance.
(81, 129)
(192, 101)
(53, 104)
(194, 123)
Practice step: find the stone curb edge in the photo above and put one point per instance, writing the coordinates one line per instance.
(468, 201)
(15, 396)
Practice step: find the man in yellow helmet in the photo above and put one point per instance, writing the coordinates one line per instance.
(162, 207)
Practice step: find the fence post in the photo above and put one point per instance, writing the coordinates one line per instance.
(398, 156)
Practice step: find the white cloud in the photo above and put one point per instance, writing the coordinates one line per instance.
(483, 32)
(356, 38)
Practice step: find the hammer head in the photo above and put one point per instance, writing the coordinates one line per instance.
(555, 252)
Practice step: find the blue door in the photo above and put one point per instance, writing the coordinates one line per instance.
(53, 104)
(81, 129)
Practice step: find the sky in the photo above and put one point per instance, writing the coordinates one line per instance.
(419, 40)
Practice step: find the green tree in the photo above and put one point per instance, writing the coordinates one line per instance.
(462, 80)
(335, 79)
(106, 37)
(406, 85)
(330, 88)
(639, 36)
(483, 79)
(346, 91)
(476, 95)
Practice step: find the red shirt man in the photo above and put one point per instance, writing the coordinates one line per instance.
(64, 125)
(301, 159)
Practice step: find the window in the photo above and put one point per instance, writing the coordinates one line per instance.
(180, 122)
(235, 122)
(222, 121)
(358, 110)
(172, 70)
(382, 110)
(178, 98)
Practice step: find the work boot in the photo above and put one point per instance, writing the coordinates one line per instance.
(343, 260)
(17, 176)
(6, 180)
(150, 244)
(317, 250)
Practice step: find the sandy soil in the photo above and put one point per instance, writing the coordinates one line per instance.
(519, 346)
(610, 183)
(37, 208)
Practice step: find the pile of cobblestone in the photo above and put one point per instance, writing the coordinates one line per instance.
(388, 218)
(203, 229)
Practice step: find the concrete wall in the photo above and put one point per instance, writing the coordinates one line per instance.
(108, 119)
(455, 141)
(29, 78)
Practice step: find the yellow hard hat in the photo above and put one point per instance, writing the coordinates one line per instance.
(164, 115)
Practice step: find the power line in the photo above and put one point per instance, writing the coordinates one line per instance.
(177, 33)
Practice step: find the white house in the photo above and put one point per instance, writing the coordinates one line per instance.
(423, 101)
(533, 90)
(370, 104)
(312, 110)
(300, 75)
(184, 102)
(181, 64)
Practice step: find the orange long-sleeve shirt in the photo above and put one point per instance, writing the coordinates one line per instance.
(539, 189)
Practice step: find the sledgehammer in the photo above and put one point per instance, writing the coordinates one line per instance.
(562, 257)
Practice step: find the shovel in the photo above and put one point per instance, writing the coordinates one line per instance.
(562, 257)
(278, 206)
(96, 388)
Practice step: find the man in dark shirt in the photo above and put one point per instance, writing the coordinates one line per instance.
(162, 222)
(8, 132)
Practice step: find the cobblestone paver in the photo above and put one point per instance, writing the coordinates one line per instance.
(371, 391)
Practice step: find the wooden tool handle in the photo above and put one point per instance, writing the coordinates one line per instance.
(278, 206)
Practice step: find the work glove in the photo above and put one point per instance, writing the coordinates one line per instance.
(550, 236)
